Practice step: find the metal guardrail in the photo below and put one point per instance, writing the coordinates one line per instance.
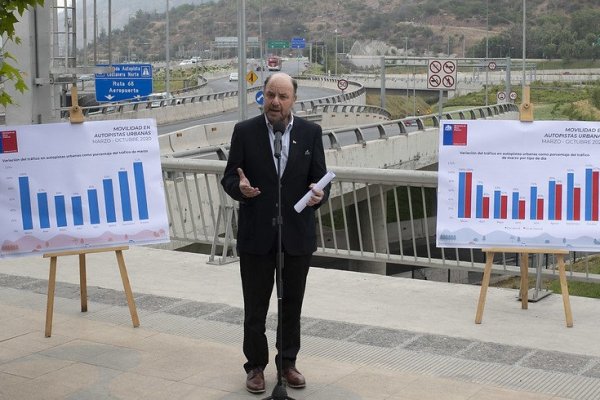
(355, 90)
(399, 126)
(372, 215)
(385, 129)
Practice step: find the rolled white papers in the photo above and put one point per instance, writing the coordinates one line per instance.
(328, 177)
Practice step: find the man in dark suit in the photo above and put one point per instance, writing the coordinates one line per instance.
(251, 178)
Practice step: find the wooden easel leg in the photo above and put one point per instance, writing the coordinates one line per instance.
(524, 281)
(83, 282)
(564, 288)
(50, 302)
(127, 288)
(489, 259)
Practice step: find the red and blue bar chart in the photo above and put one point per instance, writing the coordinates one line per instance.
(577, 200)
(506, 183)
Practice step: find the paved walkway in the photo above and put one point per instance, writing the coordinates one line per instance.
(364, 336)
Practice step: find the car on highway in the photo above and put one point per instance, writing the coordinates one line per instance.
(274, 63)
(233, 76)
(158, 99)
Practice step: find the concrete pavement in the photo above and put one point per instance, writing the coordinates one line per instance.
(364, 336)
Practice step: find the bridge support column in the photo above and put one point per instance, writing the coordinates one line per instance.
(373, 236)
(35, 105)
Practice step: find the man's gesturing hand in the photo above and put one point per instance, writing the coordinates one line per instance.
(245, 187)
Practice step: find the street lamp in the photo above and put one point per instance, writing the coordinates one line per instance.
(524, 44)
(336, 51)
(487, 46)
(167, 76)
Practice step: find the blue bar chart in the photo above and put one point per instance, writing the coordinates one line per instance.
(70, 186)
(57, 209)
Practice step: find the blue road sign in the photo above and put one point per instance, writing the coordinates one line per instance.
(128, 81)
(298, 43)
(260, 98)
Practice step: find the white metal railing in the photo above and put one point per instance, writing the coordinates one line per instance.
(376, 215)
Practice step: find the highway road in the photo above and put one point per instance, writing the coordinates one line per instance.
(224, 85)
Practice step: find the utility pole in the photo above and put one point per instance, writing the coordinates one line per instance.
(524, 47)
(336, 52)
(242, 87)
(168, 68)
(487, 46)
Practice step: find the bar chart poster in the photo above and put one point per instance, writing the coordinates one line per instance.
(75, 186)
(519, 184)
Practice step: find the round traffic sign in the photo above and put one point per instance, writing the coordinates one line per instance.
(492, 65)
(260, 98)
(501, 96)
(448, 81)
(449, 67)
(342, 84)
(513, 95)
(435, 66)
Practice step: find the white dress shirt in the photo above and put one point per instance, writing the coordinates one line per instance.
(285, 143)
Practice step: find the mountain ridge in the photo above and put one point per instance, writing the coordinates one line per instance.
(555, 28)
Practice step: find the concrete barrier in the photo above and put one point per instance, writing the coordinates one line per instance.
(220, 133)
(187, 139)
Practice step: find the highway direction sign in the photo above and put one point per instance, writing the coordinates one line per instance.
(278, 44)
(126, 82)
(298, 43)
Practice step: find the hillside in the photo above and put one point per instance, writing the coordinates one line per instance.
(555, 28)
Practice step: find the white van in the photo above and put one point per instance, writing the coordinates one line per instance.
(156, 99)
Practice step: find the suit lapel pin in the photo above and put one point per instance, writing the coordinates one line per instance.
(307, 153)
(293, 141)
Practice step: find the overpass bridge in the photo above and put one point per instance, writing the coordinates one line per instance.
(192, 105)
(380, 216)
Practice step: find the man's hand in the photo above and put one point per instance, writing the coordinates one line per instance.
(316, 197)
(247, 190)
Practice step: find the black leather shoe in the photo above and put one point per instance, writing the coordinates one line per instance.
(255, 381)
(294, 378)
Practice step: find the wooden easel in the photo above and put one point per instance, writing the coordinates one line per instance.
(76, 117)
(83, 282)
(524, 288)
(526, 115)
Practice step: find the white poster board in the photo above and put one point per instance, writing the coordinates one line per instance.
(75, 186)
(519, 184)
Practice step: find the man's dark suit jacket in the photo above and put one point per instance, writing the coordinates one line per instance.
(251, 151)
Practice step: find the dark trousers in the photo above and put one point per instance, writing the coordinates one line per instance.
(258, 278)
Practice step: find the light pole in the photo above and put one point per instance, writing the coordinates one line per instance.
(336, 52)
(242, 88)
(487, 46)
(524, 52)
(260, 41)
(167, 76)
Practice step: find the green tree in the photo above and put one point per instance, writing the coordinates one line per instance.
(595, 98)
(9, 9)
